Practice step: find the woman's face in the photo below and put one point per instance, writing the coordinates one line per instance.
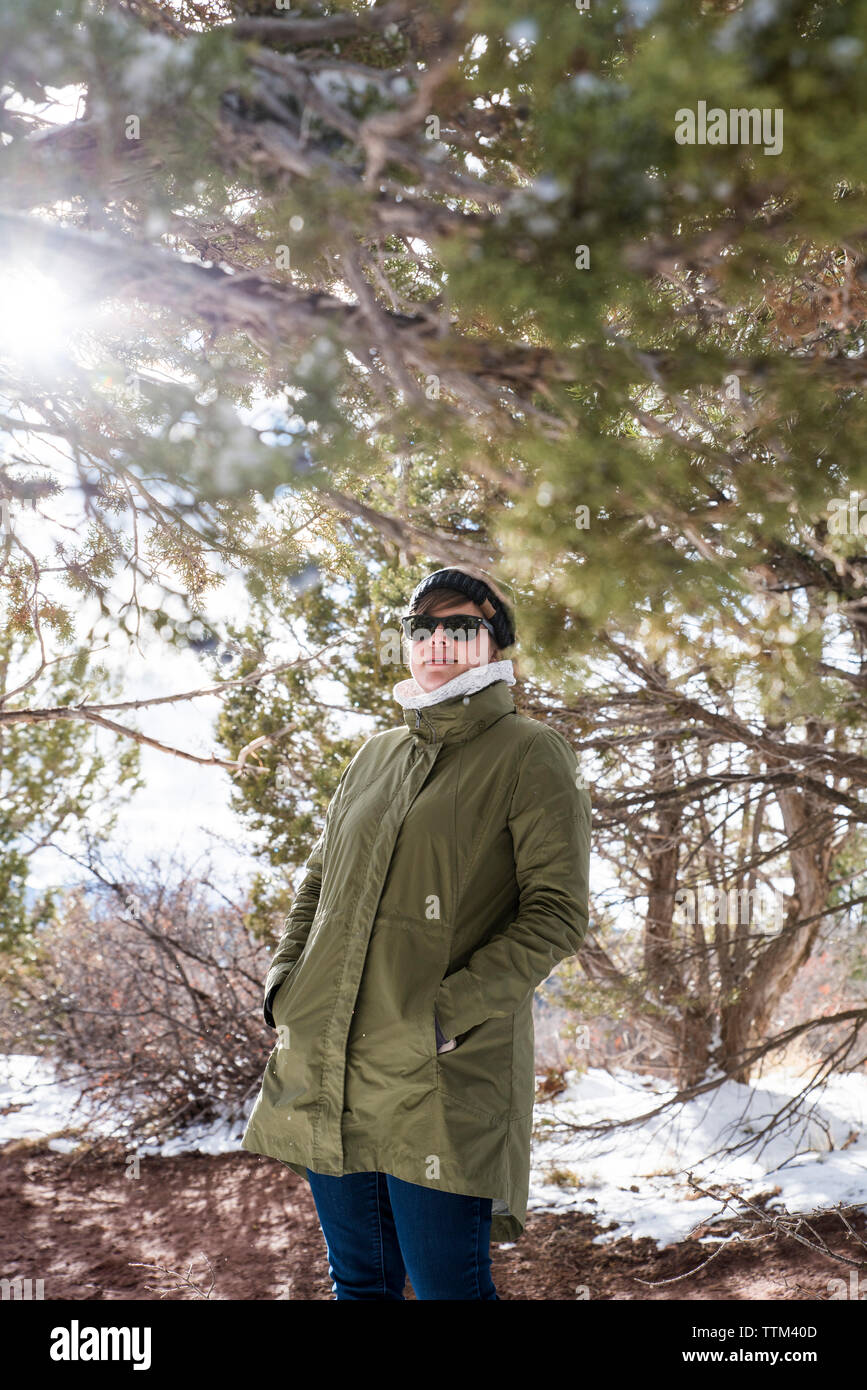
(439, 658)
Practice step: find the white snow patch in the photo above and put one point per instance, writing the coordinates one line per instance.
(805, 1159)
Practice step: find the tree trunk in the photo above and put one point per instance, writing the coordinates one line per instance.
(808, 827)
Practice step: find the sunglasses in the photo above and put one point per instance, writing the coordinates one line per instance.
(462, 627)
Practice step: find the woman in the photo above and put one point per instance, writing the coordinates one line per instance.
(450, 878)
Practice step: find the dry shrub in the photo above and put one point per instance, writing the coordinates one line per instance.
(149, 996)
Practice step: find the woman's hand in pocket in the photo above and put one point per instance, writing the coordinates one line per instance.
(444, 1044)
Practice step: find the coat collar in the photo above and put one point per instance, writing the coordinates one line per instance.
(461, 718)
(411, 695)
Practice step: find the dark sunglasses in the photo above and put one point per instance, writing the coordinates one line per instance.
(461, 626)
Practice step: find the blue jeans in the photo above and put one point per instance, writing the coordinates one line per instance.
(379, 1229)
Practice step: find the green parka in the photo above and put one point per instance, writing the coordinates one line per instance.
(450, 878)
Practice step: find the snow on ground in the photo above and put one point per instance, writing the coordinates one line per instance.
(805, 1159)
(33, 1103)
(635, 1177)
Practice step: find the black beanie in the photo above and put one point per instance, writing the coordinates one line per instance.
(496, 612)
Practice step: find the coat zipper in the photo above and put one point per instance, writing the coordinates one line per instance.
(418, 718)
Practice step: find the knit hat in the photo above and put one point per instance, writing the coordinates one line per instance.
(494, 609)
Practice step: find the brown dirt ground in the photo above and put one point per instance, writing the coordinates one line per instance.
(84, 1228)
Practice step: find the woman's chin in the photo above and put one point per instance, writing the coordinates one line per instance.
(436, 673)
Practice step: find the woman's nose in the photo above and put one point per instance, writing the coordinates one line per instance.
(441, 632)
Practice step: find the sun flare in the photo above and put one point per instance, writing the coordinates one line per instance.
(36, 316)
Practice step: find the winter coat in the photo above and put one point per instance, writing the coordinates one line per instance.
(450, 878)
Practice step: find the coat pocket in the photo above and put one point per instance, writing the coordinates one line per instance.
(283, 990)
(478, 1072)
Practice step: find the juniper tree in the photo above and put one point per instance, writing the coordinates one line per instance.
(490, 304)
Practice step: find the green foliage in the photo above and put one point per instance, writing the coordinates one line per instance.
(53, 781)
(708, 264)
(653, 446)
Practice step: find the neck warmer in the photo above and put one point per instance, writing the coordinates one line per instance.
(410, 695)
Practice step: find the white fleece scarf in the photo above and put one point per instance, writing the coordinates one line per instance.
(410, 695)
